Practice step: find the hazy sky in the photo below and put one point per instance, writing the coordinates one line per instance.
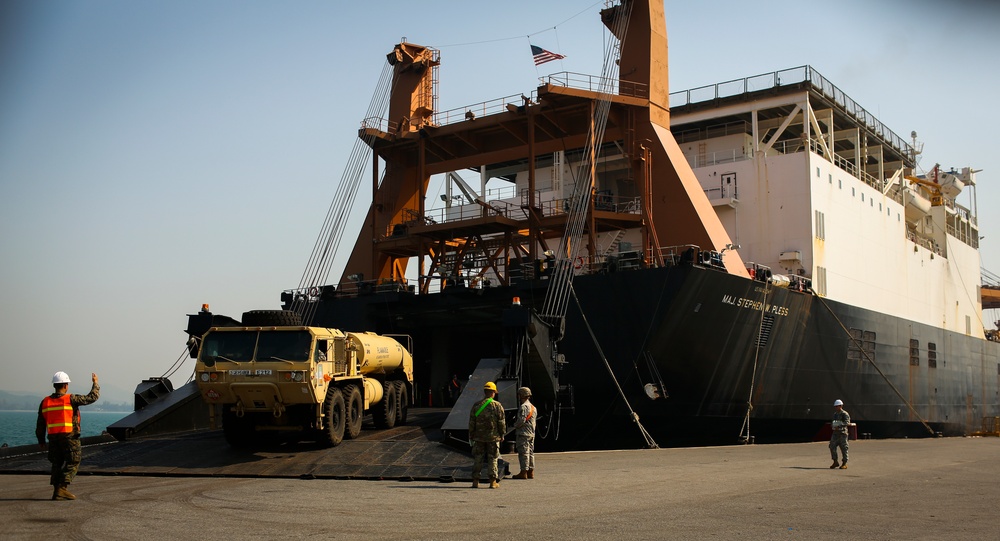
(155, 156)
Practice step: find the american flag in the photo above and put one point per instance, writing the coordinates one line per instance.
(542, 56)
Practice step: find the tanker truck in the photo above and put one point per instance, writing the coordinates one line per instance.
(269, 373)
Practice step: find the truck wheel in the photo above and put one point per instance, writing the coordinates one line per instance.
(355, 411)
(332, 432)
(402, 402)
(385, 411)
(237, 430)
(272, 318)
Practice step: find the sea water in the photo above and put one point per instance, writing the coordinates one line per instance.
(18, 427)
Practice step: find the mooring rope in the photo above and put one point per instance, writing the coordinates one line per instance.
(875, 366)
(745, 429)
(650, 443)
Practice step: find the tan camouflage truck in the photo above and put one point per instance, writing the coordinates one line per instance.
(271, 375)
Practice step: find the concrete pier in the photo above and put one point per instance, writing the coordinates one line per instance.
(894, 489)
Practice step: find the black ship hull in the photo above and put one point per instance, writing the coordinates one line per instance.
(718, 345)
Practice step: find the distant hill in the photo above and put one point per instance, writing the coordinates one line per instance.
(19, 400)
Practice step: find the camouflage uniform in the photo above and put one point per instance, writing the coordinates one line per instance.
(486, 430)
(841, 420)
(524, 429)
(64, 449)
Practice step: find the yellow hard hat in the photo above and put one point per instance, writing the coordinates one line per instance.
(490, 386)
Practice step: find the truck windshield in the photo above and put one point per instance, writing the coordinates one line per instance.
(239, 346)
(284, 345)
(234, 346)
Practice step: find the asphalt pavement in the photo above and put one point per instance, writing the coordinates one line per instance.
(894, 489)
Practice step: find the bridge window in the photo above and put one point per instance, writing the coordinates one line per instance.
(914, 352)
(931, 355)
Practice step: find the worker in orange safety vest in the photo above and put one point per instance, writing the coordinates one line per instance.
(59, 418)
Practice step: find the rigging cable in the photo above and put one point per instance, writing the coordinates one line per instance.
(546, 29)
(650, 443)
(557, 297)
(331, 233)
(177, 364)
(875, 366)
(745, 429)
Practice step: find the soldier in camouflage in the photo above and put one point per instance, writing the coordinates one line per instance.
(59, 418)
(524, 429)
(841, 424)
(486, 429)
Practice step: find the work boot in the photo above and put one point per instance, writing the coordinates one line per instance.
(494, 483)
(475, 483)
(62, 493)
(531, 473)
(522, 475)
(844, 465)
(835, 465)
(55, 491)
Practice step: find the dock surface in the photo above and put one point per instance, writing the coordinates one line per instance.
(944, 488)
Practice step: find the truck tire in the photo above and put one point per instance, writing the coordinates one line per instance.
(385, 411)
(355, 411)
(402, 401)
(334, 418)
(237, 430)
(272, 318)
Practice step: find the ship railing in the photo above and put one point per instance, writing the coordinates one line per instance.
(491, 107)
(674, 255)
(718, 130)
(792, 76)
(720, 156)
(593, 83)
(989, 279)
(924, 242)
(965, 235)
(514, 209)
(381, 124)
(456, 213)
(596, 83)
(503, 192)
(849, 166)
(961, 211)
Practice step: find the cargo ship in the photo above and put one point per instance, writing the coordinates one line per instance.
(702, 267)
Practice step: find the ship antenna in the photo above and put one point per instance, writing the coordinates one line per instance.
(915, 149)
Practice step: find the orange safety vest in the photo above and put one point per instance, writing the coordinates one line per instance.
(58, 414)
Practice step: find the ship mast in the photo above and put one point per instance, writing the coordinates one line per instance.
(498, 241)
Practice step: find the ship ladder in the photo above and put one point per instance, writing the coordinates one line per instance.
(875, 366)
(650, 443)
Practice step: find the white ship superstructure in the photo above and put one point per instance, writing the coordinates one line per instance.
(809, 183)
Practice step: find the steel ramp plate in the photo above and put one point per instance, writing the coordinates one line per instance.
(486, 370)
(406, 452)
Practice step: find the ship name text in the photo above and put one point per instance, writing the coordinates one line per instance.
(751, 304)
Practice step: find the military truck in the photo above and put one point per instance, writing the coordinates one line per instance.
(269, 373)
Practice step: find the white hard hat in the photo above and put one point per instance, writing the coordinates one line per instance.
(60, 377)
(838, 402)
